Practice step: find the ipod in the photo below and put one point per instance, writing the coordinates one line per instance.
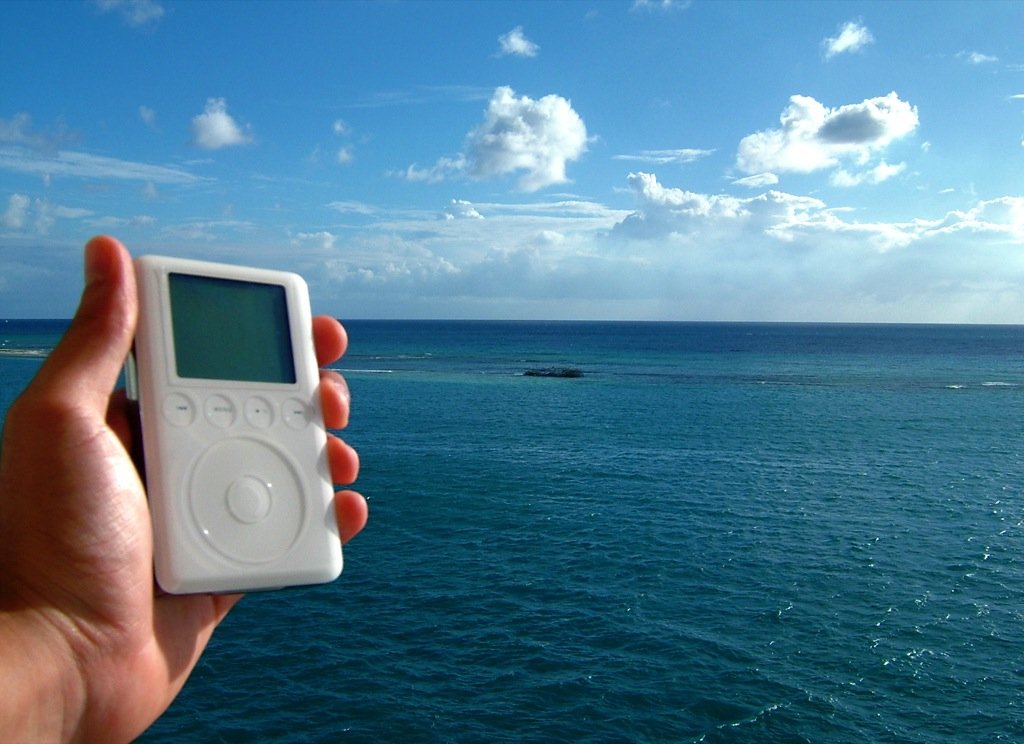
(233, 437)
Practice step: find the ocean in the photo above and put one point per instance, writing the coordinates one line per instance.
(718, 533)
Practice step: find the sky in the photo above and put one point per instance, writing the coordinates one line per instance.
(658, 160)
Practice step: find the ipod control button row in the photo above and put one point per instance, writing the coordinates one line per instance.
(220, 411)
(179, 410)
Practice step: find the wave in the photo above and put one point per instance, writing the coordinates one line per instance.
(34, 353)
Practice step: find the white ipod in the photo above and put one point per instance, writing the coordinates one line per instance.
(233, 437)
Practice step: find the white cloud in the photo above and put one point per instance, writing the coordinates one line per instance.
(516, 44)
(148, 116)
(134, 12)
(17, 212)
(345, 156)
(460, 209)
(444, 168)
(814, 137)
(521, 134)
(351, 207)
(84, 165)
(215, 128)
(322, 240)
(852, 37)
(881, 172)
(661, 157)
(47, 213)
(660, 4)
(976, 58)
(341, 127)
(757, 181)
(19, 130)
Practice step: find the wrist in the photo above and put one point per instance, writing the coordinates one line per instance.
(41, 695)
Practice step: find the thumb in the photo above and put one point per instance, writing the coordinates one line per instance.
(89, 357)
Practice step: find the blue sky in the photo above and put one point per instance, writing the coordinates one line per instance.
(608, 160)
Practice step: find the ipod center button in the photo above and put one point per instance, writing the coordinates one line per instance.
(259, 413)
(179, 410)
(249, 499)
(220, 411)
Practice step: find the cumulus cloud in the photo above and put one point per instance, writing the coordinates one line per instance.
(514, 43)
(460, 209)
(813, 137)
(852, 37)
(520, 134)
(215, 128)
(322, 240)
(535, 138)
(686, 215)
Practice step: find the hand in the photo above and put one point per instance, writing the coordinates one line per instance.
(88, 650)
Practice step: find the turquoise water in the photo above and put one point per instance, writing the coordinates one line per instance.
(722, 532)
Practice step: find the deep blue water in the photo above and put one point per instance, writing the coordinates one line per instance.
(721, 533)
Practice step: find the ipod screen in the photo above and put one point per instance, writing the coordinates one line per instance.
(226, 329)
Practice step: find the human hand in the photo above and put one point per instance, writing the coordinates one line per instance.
(88, 650)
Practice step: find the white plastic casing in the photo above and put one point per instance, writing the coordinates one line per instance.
(239, 485)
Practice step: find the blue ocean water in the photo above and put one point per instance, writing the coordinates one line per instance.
(720, 533)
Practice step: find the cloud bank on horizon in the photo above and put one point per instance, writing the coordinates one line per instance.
(653, 167)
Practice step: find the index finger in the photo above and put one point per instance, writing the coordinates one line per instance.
(329, 338)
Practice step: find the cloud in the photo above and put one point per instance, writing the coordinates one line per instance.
(520, 134)
(322, 240)
(148, 116)
(852, 37)
(661, 157)
(976, 58)
(515, 44)
(660, 5)
(351, 207)
(666, 212)
(341, 127)
(445, 167)
(757, 181)
(133, 12)
(214, 128)
(83, 165)
(813, 137)
(881, 172)
(17, 212)
(345, 156)
(460, 209)
(45, 213)
(19, 130)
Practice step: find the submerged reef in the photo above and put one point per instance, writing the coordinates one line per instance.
(566, 372)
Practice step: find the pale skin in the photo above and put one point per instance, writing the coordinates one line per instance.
(89, 651)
